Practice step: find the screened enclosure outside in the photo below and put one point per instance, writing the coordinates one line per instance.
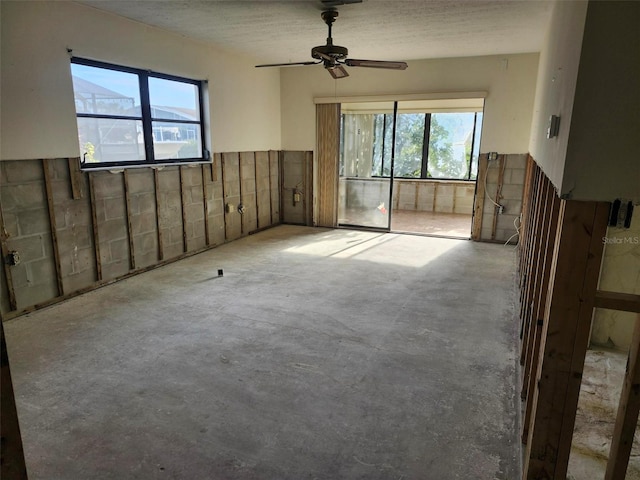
(385, 144)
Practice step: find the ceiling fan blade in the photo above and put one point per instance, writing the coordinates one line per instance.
(337, 71)
(352, 62)
(288, 64)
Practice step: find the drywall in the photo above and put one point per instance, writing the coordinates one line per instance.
(620, 273)
(37, 111)
(602, 161)
(556, 86)
(509, 80)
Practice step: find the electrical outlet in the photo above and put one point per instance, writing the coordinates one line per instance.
(12, 258)
(500, 209)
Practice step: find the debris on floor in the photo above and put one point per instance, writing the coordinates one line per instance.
(597, 407)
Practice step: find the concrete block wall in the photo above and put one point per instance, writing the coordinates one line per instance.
(297, 168)
(27, 230)
(74, 231)
(415, 195)
(510, 197)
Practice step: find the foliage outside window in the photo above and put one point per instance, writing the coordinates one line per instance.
(453, 141)
(128, 116)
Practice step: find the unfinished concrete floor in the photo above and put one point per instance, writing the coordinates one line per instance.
(320, 354)
(432, 223)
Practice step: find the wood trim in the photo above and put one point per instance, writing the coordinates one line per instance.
(46, 168)
(627, 416)
(94, 225)
(156, 191)
(127, 204)
(270, 190)
(7, 268)
(625, 302)
(255, 182)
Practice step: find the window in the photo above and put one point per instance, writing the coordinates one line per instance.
(427, 145)
(128, 116)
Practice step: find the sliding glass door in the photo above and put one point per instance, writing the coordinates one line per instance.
(366, 165)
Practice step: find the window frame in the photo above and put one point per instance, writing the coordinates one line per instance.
(146, 118)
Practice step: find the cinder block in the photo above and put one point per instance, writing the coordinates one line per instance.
(143, 223)
(197, 194)
(196, 211)
(22, 171)
(517, 176)
(61, 190)
(60, 169)
(169, 179)
(19, 276)
(112, 230)
(31, 248)
(513, 192)
(143, 202)
(106, 185)
(119, 249)
(11, 224)
(23, 196)
(140, 180)
(115, 269)
(518, 160)
(34, 294)
(78, 281)
(42, 272)
(176, 235)
(115, 207)
(78, 236)
(33, 221)
(146, 242)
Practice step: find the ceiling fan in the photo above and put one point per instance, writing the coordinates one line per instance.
(334, 57)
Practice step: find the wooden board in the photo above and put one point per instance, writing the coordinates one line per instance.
(565, 337)
(328, 150)
(478, 208)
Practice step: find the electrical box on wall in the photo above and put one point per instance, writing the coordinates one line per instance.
(554, 126)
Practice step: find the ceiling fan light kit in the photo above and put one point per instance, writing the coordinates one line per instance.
(334, 57)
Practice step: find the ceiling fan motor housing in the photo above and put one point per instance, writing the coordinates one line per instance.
(335, 51)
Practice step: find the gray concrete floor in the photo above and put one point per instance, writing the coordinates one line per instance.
(321, 354)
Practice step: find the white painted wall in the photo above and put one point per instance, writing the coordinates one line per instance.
(602, 155)
(556, 86)
(510, 81)
(37, 110)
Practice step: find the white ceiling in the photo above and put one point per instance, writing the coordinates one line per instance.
(284, 31)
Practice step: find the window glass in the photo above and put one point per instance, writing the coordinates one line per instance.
(176, 140)
(105, 92)
(110, 140)
(450, 142)
(172, 100)
(409, 142)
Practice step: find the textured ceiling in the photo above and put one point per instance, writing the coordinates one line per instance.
(285, 31)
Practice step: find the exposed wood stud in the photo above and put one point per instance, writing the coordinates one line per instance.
(565, 337)
(127, 203)
(308, 188)
(205, 203)
(75, 177)
(224, 196)
(255, 180)
(7, 268)
(281, 183)
(626, 302)
(213, 169)
(156, 192)
(496, 210)
(270, 190)
(531, 367)
(46, 168)
(183, 207)
(435, 196)
(241, 200)
(94, 225)
(627, 416)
